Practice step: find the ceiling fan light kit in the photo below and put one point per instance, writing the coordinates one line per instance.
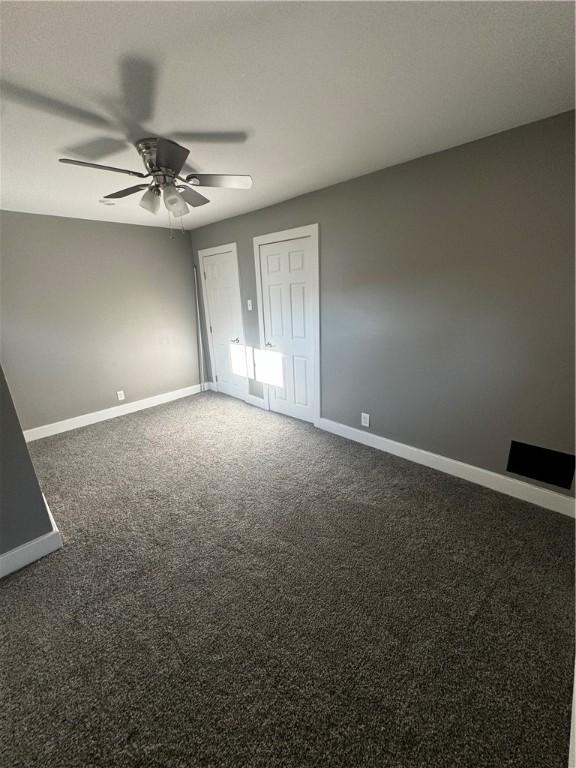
(163, 160)
(173, 202)
(151, 200)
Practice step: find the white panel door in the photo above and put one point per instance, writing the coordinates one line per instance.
(224, 317)
(288, 272)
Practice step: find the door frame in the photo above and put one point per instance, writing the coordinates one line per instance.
(202, 255)
(311, 231)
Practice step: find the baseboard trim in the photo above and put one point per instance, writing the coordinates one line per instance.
(572, 748)
(556, 502)
(108, 413)
(257, 401)
(33, 550)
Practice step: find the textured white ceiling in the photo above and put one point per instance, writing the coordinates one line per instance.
(324, 91)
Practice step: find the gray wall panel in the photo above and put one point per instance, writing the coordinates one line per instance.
(23, 515)
(89, 308)
(446, 292)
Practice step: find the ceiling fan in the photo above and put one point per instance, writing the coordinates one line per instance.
(164, 160)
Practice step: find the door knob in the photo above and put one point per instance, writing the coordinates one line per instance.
(268, 344)
(235, 341)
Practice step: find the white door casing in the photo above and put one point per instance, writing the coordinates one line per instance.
(223, 313)
(288, 311)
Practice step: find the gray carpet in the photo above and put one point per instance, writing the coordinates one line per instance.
(240, 589)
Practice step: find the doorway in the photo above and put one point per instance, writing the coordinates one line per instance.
(287, 283)
(223, 312)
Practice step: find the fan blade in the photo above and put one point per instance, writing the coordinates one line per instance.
(126, 192)
(211, 137)
(104, 167)
(31, 98)
(97, 148)
(193, 198)
(139, 77)
(219, 180)
(170, 155)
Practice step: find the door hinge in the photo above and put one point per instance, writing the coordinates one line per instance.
(204, 275)
(216, 377)
(210, 329)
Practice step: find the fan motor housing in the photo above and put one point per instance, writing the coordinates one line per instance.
(147, 150)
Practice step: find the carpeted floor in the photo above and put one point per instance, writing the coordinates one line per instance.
(239, 589)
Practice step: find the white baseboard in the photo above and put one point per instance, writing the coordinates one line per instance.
(557, 502)
(208, 386)
(108, 413)
(33, 550)
(257, 401)
(572, 748)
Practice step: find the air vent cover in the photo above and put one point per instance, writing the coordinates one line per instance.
(542, 464)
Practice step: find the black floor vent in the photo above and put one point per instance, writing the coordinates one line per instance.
(542, 464)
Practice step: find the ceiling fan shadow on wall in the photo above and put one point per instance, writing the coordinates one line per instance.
(164, 159)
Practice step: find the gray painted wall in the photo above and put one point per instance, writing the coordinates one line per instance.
(89, 308)
(23, 516)
(446, 292)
